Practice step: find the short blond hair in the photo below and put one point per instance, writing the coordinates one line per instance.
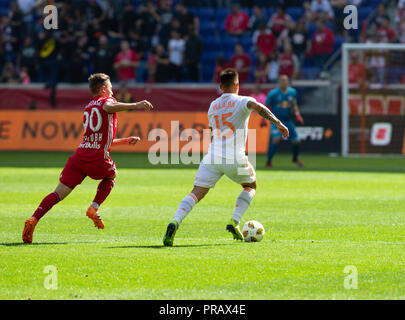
(96, 81)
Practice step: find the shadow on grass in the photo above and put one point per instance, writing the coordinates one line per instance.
(18, 244)
(175, 246)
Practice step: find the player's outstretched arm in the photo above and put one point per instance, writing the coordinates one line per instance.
(124, 141)
(112, 107)
(265, 113)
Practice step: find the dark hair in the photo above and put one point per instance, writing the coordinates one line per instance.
(96, 81)
(229, 77)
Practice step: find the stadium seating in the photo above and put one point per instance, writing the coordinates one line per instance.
(295, 12)
(310, 73)
(212, 21)
(217, 42)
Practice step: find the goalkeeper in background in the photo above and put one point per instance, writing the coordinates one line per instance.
(283, 103)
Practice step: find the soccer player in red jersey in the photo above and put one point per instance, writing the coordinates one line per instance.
(92, 156)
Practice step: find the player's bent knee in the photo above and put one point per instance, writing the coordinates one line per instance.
(63, 191)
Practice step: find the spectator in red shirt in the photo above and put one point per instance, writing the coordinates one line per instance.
(323, 41)
(219, 66)
(288, 62)
(266, 42)
(356, 69)
(280, 21)
(125, 63)
(237, 21)
(386, 33)
(241, 62)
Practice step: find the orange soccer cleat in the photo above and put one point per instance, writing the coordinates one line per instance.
(92, 213)
(29, 228)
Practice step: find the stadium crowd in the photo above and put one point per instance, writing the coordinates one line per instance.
(165, 41)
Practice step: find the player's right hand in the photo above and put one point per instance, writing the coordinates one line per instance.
(145, 104)
(283, 130)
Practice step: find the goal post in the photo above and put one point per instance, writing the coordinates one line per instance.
(373, 99)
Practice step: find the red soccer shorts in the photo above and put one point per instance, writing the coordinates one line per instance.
(76, 170)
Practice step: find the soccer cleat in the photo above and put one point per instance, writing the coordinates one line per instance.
(269, 164)
(170, 233)
(92, 213)
(298, 163)
(233, 228)
(29, 228)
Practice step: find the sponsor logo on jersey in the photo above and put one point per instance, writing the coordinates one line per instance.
(88, 145)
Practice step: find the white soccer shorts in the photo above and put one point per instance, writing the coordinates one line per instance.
(209, 174)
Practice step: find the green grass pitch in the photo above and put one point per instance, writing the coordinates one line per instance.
(332, 214)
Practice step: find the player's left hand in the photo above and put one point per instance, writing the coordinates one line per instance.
(133, 140)
(283, 130)
(299, 118)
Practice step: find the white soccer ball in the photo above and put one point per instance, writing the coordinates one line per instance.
(253, 231)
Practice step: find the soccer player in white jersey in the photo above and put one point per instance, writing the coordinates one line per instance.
(228, 118)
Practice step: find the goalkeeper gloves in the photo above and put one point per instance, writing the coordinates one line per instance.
(299, 118)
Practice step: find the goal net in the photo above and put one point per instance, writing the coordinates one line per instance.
(373, 93)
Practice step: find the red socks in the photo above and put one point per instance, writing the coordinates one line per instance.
(103, 190)
(47, 203)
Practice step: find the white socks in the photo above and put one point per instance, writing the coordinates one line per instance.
(242, 203)
(186, 205)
